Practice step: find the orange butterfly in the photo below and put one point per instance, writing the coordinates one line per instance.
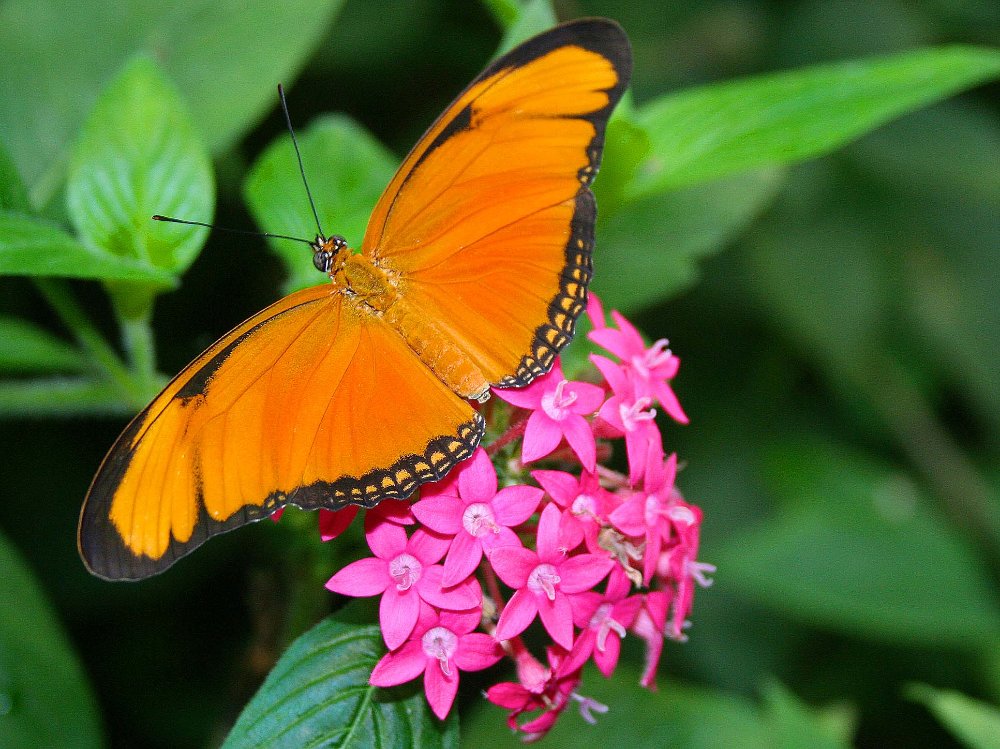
(471, 275)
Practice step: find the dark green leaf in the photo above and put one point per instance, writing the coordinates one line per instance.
(347, 170)
(25, 347)
(795, 724)
(45, 700)
(707, 133)
(139, 154)
(856, 548)
(318, 695)
(13, 195)
(648, 250)
(976, 724)
(225, 56)
(32, 247)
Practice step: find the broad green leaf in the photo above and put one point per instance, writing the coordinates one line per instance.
(648, 250)
(674, 716)
(33, 247)
(347, 170)
(855, 548)
(139, 154)
(225, 56)
(25, 347)
(318, 695)
(706, 133)
(13, 194)
(45, 700)
(976, 724)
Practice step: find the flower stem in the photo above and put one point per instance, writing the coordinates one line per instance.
(515, 431)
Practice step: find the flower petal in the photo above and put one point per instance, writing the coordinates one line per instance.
(561, 486)
(607, 659)
(508, 695)
(386, 540)
(588, 397)
(477, 651)
(580, 437)
(397, 614)
(514, 504)
(427, 546)
(464, 555)
(513, 564)
(467, 595)
(333, 523)
(440, 688)
(519, 612)
(399, 667)
(477, 480)
(547, 538)
(541, 436)
(365, 577)
(583, 572)
(441, 513)
(557, 617)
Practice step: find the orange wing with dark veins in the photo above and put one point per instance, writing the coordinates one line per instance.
(490, 220)
(314, 402)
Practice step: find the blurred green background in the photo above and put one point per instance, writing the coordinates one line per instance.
(837, 321)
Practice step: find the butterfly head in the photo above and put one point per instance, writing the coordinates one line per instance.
(328, 253)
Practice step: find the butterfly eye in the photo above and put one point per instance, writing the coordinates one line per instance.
(323, 260)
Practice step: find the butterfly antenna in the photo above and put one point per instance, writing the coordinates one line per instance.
(298, 155)
(172, 220)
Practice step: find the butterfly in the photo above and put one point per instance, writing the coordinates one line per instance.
(471, 275)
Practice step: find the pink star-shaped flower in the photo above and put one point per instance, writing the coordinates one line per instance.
(441, 645)
(627, 416)
(404, 572)
(476, 516)
(558, 408)
(650, 368)
(677, 566)
(650, 624)
(603, 620)
(549, 689)
(542, 580)
(649, 512)
(586, 506)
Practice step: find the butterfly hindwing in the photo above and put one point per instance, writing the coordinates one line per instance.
(313, 402)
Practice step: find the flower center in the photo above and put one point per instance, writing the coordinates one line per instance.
(478, 519)
(653, 357)
(405, 571)
(544, 579)
(440, 643)
(556, 402)
(603, 622)
(584, 504)
(635, 414)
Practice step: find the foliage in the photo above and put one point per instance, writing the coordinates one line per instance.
(839, 356)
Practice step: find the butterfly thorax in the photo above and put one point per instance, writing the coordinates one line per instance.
(366, 282)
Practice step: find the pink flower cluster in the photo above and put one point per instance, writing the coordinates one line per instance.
(589, 553)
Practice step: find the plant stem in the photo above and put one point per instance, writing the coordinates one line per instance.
(137, 335)
(98, 351)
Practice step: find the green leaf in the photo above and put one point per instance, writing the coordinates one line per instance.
(793, 723)
(976, 724)
(648, 250)
(318, 695)
(13, 194)
(45, 700)
(225, 56)
(347, 169)
(139, 154)
(533, 17)
(676, 715)
(856, 548)
(25, 347)
(709, 132)
(32, 247)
